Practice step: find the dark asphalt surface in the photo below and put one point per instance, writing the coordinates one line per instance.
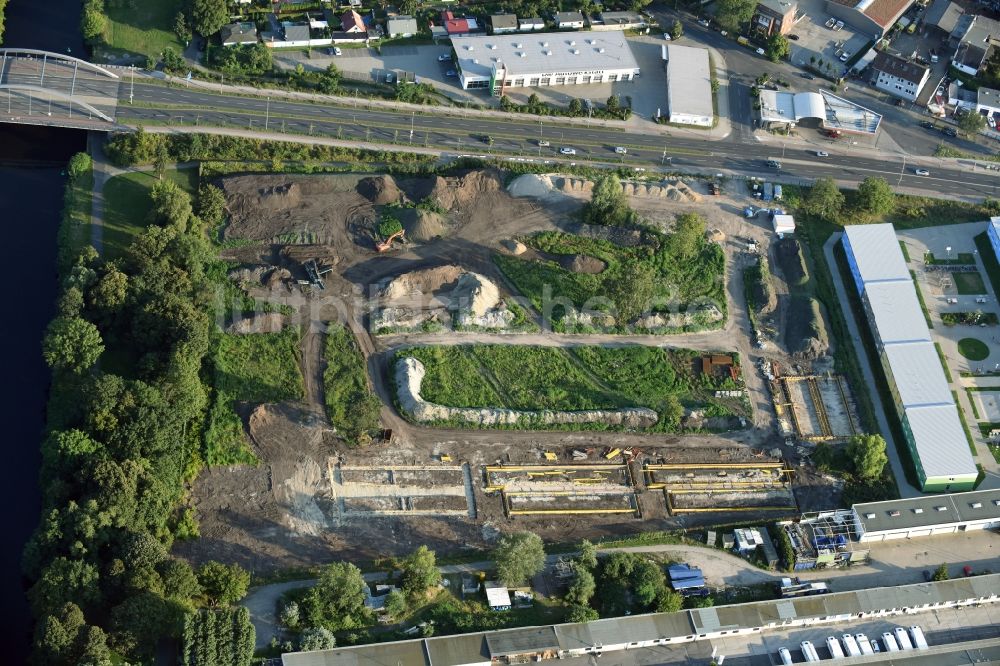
(180, 106)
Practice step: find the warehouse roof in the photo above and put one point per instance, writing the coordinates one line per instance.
(923, 511)
(536, 54)
(876, 253)
(689, 81)
(522, 641)
(897, 313)
(399, 653)
(917, 374)
(941, 442)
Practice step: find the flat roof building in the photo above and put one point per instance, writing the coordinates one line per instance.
(921, 393)
(499, 62)
(402, 26)
(785, 109)
(689, 86)
(774, 17)
(927, 516)
(993, 233)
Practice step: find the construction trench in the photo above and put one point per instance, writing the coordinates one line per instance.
(400, 490)
(763, 485)
(527, 490)
(814, 408)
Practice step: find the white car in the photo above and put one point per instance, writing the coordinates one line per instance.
(703, 23)
(568, 151)
(844, 57)
(922, 172)
(444, 57)
(822, 153)
(337, 51)
(543, 144)
(760, 52)
(666, 36)
(621, 150)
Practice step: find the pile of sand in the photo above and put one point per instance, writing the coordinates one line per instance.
(474, 294)
(381, 190)
(457, 192)
(530, 185)
(279, 197)
(268, 322)
(515, 247)
(582, 263)
(424, 225)
(419, 283)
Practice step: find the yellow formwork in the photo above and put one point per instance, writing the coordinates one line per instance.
(733, 465)
(675, 510)
(565, 512)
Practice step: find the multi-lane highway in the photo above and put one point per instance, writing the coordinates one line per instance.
(161, 104)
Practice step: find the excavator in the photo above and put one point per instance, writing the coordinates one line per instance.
(383, 246)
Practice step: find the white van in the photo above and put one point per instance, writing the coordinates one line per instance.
(903, 639)
(890, 642)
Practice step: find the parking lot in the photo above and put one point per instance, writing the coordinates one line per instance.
(819, 45)
(648, 93)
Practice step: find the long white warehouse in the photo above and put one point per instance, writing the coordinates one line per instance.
(921, 392)
(689, 85)
(499, 62)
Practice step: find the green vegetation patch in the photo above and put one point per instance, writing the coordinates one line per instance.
(655, 275)
(973, 349)
(923, 305)
(352, 407)
(975, 318)
(145, 27)
(970, 283)
(578, 378)
(127, 205)
(263, 367)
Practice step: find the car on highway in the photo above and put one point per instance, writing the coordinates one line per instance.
(922, 172)
(822, 153)
(444, 57)
(543, 143)
(451, 73)
(621, 150)
(568, 151)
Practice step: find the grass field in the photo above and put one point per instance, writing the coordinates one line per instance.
(973, 349)
(969, 284)
(578, 378)
(145, 27)
(352, 407)
(676, 282)
(126, 205)
(248, 368)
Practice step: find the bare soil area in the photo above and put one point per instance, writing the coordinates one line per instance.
(294, 508)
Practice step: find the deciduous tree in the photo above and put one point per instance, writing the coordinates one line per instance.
(420, 572)
(79, 164)
(778, 47)
(825, 200)
(208, 16)
(518, 557)
(972, 123)
(587, 555)
(72, 344)
(223, 584)
(583, 586)
(337, 601)
(733, 14)
(875, 196)
(867, 453)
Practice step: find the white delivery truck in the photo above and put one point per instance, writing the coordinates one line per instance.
(864, 644)
(890, 642)
(833, 645)
(903, 638)
(850, 646)
(918, 638)
(786, 657)
(809, 651)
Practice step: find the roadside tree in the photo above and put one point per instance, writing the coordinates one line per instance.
(778, 47)
(208, 16)
(825, 200)
(420, 572)
(518, 557)
(867, 453)
(223, 584)
(733, 14)
(875, 196)
(676, 30)
(972, 123)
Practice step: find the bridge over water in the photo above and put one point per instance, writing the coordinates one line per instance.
(43, 88)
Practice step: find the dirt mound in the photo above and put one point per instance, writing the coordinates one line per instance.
(381, 190)
(279, 197)
(277, 278)
(268, 322)
(419, 283)
(424, 225)
(474, 293)
(530, 185)
(805, 336)
(515, 247)
(582, 263)
(791, 261)
(456, 192)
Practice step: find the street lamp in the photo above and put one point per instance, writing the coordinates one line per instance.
(948, 251)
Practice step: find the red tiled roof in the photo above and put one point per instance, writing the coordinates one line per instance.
(456, 26)
(886, 12)
(350, 20)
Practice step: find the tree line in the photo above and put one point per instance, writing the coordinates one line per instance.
(125, 417)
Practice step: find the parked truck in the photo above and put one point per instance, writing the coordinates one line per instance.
(918, 638)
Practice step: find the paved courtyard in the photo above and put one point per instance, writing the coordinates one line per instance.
(940, 291)
(822, 43)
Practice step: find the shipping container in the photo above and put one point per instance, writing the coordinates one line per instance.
(786, 657)
(864, 644)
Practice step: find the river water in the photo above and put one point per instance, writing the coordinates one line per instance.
(31, 189)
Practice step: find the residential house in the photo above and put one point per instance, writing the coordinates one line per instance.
(351, 22)
(457, 26)
(294, 34)
(572, 20)
(961, 97)
(979, 37)
(619, 21)
(402, 26)
(988, 101)
(236, 34)
(503, 23)
(774, 17)
(530, 24)
(897, 76)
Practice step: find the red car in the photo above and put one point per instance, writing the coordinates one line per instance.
(967, 570)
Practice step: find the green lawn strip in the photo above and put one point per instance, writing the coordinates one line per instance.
(965, 425)
(979, 477)
(973, 349)
(995, 450)
(920, 297)
(74, 232)
(969, 284)
(145, 27)
(962, 259)
(987, 427)
(350, 403)
(127, 204)
(905, 251)
(944, 362)
(975, 410)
